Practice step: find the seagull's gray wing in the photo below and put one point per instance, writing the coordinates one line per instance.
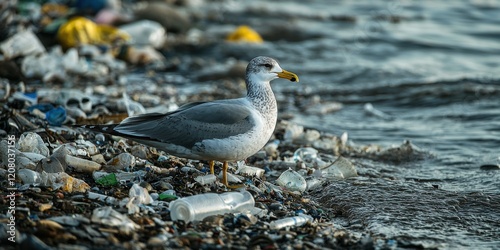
(191, 123)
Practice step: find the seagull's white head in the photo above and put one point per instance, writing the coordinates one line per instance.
(265, 69)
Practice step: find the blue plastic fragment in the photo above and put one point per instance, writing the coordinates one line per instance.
(56, 116)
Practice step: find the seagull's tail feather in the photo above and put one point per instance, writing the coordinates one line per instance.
(107, 129)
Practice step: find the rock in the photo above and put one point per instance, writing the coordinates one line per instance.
(51, 165)
(171, 19)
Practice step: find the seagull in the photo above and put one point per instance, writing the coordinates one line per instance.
(221, 130)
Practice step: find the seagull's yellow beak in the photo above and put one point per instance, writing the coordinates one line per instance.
(288, 75)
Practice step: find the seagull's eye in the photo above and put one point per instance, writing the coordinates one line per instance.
(267, 65)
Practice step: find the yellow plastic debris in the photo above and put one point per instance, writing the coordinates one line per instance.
(72, 184)
(244, 34)
(80, 30)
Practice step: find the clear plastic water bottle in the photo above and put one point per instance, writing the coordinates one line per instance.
(198, 207)
(206, 179)
(290, 221)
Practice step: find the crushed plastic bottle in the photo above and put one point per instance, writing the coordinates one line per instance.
(139, 195)
(145, 32)
(340, 169)
(105, 179)
(198, 207)
(291, 180)
(249, 170)
(231, 178)
(313, 183)
(104, 198)
(305, 154)
(122, 161)
(23, 43)
(69, 183)
(29, 176)
(295, 221)
(168, 195)
(206, 179)
(111, 179)
(61, 180)
(32, 142)
(109, 217)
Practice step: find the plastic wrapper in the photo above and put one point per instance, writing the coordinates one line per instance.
(79, 30)
(22, 44)
(244, 34)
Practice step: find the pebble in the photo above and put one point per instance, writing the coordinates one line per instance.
(52, 165)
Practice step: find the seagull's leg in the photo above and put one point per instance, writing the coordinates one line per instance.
(225, 166)
(211, 164)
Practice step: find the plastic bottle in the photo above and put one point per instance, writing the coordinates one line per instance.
(104, 198)
(249, 170)
(305, 154)
(110, 179)
(293, 181)
(197, 207)
(206, 179)
(340, 169)
(122, 161)
(32, 142)
(145, 32)
(30, 177)
(290, 221)
(110, 217)
(61, 180)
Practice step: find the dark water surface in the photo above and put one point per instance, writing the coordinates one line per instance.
(433, 69)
